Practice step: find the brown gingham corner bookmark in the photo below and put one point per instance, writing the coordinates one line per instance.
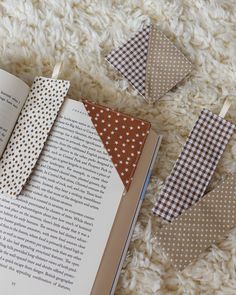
(150, 62)
(202, 225)
(196, 164)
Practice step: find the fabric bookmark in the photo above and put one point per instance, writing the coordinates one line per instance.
(31, 131)
(195, 166)
(201, 226)
(123, 137)
(150, 62)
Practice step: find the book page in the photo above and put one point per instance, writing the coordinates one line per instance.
(13, 93)
(53, 236)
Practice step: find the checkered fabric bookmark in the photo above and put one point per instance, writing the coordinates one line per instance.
(196, 164)
(150, 62)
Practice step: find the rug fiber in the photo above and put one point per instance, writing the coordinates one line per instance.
(35, 34)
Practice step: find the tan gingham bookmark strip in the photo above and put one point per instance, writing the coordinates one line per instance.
(194, 168)
(30, 133)
(166, 65)
(202, 225)
(123, 137)
(130, 59)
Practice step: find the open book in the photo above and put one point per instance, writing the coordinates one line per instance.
(68, 230)
(13, 94)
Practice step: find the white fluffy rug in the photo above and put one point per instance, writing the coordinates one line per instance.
(34, 34)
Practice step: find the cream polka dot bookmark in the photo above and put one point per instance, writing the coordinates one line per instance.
(202, 225)
(150, 62)
(31, 131)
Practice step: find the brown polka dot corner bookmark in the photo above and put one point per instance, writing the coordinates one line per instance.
(196, 164)
(31, 131)
(201, 226)
(150, 62)
(123, 137)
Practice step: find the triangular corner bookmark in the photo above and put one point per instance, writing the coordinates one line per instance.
(201, 226)
(31, 131)
(123, 137)
(150, 62)
(196, 164)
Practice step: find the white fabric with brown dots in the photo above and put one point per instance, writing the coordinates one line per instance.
(201, 225)
(30, 133)
(166, 65)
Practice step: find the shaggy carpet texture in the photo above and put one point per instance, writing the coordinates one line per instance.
(35, 34)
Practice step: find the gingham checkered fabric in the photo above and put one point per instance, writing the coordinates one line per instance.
(130, 59)
(194, 168)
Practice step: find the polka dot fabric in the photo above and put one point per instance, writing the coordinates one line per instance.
(166, 65)
(201, 226)
(30, 133)
(123, 137)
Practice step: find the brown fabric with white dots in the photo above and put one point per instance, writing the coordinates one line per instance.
(123, 137)
(30, 133)
(166, 65)
(201, 226)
